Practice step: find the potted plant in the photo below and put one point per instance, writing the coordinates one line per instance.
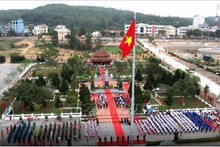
(58, 113)
(46, 118)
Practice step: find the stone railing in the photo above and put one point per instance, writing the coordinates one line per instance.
(40, 116)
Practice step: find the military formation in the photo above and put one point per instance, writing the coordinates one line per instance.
(51, 134)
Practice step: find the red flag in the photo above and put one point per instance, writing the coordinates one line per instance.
(128, 41)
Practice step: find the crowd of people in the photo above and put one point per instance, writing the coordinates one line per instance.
(27, 134)
(120, 101)
(172, 122)
(102, 101)
(91, 128)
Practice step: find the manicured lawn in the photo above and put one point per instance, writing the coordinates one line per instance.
(116, 50)
(45, 72)
(153, 101)
(189, 103)
(126, 71)
(59, 65)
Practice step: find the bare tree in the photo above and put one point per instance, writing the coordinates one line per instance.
(8, 81)
(24, 65)
(12, 75)
(19, 69)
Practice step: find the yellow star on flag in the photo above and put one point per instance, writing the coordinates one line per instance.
(128, 40)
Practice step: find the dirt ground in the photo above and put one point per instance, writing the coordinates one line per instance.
(31, 52)
(187, 48)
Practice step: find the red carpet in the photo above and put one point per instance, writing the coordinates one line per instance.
(125, 143)
(114, 115)
(126, 86)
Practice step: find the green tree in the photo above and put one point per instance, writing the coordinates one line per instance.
(55, 80)
(122, 33)
(217, 33)
(49, 53)
(138, 99)
(147, 95)
(98, 44)
(177, 75)
(66, 73)
(72, 40)
(88, 43)
(138, 76)
(11, 33)
(40, 81)
(169, 100)
(57, 102)
(92, 83)
(64, 87)
(54, 37)
(29, 93)
(148, 85)
(82, 31)
(84, 96)
(189, 86)
(151, 39)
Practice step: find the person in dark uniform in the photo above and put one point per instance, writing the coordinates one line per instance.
(105, 139)
(144, 137)
(128, 137)
(111, 139)
(137, 138)
(117, 139)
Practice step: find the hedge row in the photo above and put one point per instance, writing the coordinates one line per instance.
(2, 59)
(17, 58)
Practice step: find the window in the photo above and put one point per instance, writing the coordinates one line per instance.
(142, 29)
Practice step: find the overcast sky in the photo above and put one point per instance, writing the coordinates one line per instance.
(179, 8)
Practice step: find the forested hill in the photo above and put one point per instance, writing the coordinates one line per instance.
(90, 17)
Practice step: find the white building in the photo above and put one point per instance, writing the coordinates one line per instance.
(198, 20)
(181, 31)
(96, 34)
(39, 29)
(152, 30)
(62, 32)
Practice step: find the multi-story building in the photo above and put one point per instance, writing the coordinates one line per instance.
(18, 26)
(40, 29)
(4, 29)
(198, 20)
(181, 31)
(62, 32)
(152, 30)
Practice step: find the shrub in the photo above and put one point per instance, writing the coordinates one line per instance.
(46, 117)
(16, 58)
(2, 59)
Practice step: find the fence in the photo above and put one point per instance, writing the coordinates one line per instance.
(40, 116)
(195, 109)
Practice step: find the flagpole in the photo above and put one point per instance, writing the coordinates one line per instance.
(132, 95)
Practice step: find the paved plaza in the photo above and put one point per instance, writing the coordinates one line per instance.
(6, 69)
(107, 129)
